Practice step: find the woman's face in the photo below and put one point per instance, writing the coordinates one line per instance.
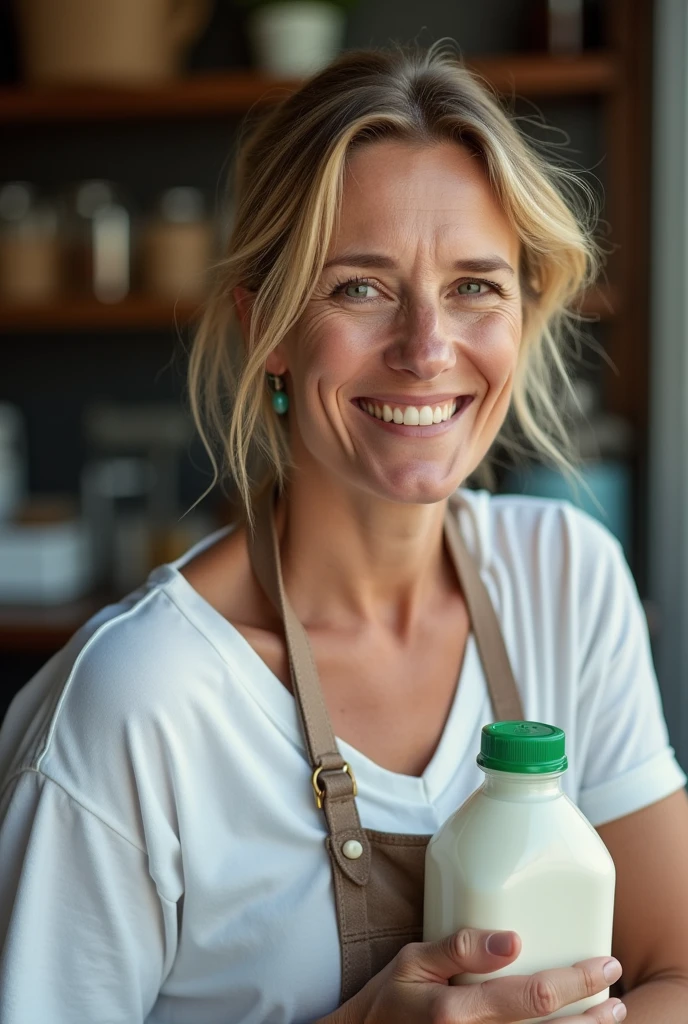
(416, 318)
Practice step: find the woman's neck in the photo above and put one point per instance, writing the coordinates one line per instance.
(350, 555)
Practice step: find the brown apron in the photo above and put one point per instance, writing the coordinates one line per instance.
(379, 891)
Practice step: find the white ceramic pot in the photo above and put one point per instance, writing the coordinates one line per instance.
(291, 40)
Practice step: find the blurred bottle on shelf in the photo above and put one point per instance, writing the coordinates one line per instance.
(13, 460)
(115, 495)
(130, 490)
(99, 240)
(115, 42)
(29, 246)
(565, 27)
(176, 246)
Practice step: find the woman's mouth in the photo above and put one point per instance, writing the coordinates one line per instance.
(422, 415)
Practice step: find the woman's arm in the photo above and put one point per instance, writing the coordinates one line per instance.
(84, 934)
(650, 850)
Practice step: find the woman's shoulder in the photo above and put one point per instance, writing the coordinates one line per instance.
(543, 535)
(550, 566)
(132, 665)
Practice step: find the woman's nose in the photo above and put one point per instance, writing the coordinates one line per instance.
(423, 346)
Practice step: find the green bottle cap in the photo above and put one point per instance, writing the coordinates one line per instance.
(528, 748)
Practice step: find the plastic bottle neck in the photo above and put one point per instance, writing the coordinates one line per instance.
(521, 788)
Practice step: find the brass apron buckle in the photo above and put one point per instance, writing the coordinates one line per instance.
(320, 792)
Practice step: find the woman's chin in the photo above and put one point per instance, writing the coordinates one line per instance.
(415, 486)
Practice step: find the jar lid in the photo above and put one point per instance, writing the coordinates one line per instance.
(182, 205)
(16, 198)
(91, 196)
(528, 748)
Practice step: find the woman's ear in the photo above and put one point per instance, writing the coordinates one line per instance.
(276, 363)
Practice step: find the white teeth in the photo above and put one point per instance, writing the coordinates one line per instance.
(410, 415)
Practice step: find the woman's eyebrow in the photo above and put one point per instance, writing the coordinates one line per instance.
(477, 265)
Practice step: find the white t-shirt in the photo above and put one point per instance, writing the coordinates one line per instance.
(162, 858)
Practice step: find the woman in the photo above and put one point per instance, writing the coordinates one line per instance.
(400, 269)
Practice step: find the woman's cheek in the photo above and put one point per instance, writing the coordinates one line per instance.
(328, 336)
(491, 342)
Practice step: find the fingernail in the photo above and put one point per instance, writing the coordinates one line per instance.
(612, 970)
(619, 1012)
(500, 943)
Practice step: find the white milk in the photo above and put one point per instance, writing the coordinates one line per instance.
(519, 856)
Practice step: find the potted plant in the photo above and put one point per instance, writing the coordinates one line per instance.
(294, 38)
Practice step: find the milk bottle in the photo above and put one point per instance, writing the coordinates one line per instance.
(519, 856)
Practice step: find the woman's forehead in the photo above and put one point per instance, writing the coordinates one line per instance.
(429, 197)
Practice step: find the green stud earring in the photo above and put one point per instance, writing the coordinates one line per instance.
(280, 402)
(280, 399)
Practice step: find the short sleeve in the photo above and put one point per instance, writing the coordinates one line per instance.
(84, 933)
(622, 737)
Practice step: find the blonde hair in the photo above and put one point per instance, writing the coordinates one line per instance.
(287, 190)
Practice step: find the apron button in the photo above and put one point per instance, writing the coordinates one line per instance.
(352, 849)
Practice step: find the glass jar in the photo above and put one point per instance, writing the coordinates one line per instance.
(100, 241)
(176, 246)
(29, 246)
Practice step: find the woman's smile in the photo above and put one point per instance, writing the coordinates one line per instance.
(426, 418)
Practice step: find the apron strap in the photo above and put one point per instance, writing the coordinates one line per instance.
(333, 782)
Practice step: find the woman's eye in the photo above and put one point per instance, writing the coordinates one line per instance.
(357, 289)
(472, 288)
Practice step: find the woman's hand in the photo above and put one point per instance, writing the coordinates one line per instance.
(414, 988)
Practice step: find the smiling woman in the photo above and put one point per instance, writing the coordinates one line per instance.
(433, 349)
(420, 136)
(222, 789)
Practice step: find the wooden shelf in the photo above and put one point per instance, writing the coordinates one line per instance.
(226, 93)
(541, 75)
(139, 312)
(143, 313)
(205, 95)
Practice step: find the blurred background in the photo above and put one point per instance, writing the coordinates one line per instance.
(119, 121)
